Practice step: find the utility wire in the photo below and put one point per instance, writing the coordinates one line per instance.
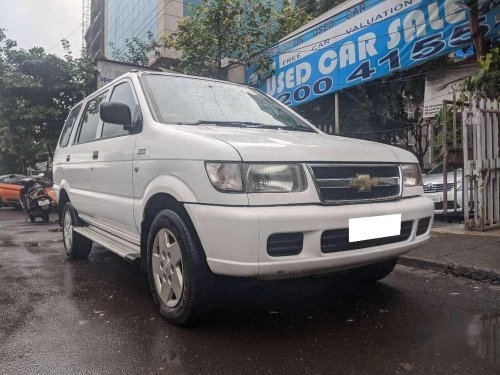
(64, 38)
(375, 112)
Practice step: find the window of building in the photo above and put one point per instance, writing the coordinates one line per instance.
(68, 125)
(90, 120)
(122, 93)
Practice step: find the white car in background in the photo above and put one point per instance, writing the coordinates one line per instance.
(434, 187)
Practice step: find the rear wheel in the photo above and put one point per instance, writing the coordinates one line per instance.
(32, 218)
(45, 217)
(178, 274)
(75, 244)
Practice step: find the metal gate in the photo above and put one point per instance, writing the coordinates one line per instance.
(482, 169)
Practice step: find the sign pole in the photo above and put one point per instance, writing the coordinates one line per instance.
(337, 124)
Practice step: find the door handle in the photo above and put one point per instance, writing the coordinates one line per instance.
(67, 157)
(95, 155)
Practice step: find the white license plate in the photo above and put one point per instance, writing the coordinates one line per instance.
(43, 202)
(369, 228)
(437, 198)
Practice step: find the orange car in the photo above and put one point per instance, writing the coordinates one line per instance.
(10, 190)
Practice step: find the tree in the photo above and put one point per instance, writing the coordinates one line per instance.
(36, 92)
(317, 7)
(223, 31)
(416, 138)
(288, 19)
(485, 81)
(137, 51)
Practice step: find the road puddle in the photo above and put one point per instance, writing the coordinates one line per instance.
(35, 247)
(460, 336)
(6, 241)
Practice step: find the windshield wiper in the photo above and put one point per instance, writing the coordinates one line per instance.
(246, 124)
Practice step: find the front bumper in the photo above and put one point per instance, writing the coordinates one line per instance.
(235, 238)
(437, 199)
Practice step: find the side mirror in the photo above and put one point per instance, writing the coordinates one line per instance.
(115, 113)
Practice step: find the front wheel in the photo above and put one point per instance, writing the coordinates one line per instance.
(178, 274)
(75, 244)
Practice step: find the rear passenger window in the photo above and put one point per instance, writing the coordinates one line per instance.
(68, 125)
(90, 120)
(122, 93)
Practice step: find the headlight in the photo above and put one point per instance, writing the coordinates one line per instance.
(412, 175)
(272, 178)
(225, 176)
(256, 178)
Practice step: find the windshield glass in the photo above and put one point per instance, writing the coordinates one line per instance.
(184, 100)
(437, 169)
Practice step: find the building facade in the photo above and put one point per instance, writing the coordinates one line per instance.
(112, 22)
(95, 36)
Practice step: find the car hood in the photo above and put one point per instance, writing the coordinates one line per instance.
(283, 145)
(437, 178)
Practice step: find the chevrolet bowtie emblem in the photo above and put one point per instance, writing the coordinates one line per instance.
(363, 182)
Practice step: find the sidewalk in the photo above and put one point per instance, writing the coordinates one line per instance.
(475, 255)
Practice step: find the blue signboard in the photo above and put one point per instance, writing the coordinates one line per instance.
(365, 41)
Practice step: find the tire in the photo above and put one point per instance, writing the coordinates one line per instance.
(191, 278)
(45, 217)
(374, 272)
(32, 218)
(75, 244)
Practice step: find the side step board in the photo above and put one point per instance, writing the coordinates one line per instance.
(125, 249)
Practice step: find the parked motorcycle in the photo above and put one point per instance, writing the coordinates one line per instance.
(35, 200)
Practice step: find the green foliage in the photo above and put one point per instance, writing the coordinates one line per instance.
(36, 91)
(221, 31)
(317, 7)
(137, 51)
(288, 19)
(439, 121)
(485, 81)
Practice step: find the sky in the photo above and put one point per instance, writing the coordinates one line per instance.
(43, 23)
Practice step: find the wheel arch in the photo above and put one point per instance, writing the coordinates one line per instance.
(156, 203)
(63, 199)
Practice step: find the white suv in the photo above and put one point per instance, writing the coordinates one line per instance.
(195, 177)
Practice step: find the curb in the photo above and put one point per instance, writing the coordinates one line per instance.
(478, 274)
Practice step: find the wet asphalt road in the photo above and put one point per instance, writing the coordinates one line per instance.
(96, 317)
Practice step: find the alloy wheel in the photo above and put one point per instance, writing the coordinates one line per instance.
(167, 267)
(68, 230)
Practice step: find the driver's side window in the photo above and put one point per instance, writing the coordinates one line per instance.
(122, 93)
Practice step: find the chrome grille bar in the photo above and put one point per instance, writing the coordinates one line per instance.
(356, 183)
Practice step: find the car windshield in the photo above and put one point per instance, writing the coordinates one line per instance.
(437, 169)
(191, 101)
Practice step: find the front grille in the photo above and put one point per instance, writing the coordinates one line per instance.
(283, 244)
(423, 225)
(356, 183)
(437, 188)
(337, 240)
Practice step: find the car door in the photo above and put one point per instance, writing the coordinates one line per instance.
(112, 170)
(10, 189)
(62, 155)
(81, 158)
